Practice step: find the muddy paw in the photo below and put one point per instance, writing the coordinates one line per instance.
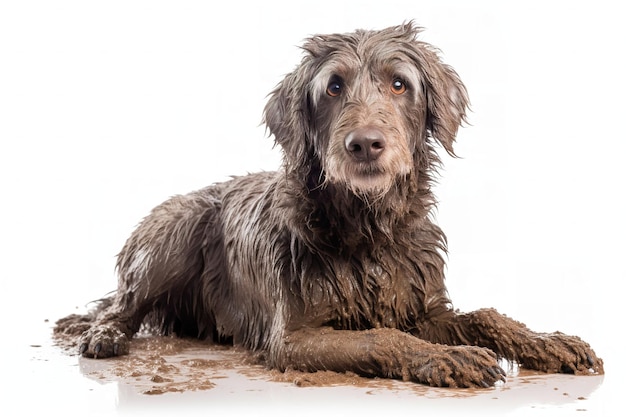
(103, 341)
(460, 366)
(558, 352)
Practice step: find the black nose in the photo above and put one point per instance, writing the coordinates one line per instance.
(365, 144)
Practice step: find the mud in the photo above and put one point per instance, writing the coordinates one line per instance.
(169, 370)
(161, 364)
(158, 364)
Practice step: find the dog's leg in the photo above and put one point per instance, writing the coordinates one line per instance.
(158, 265)
(510, 339)
(388, 353)
(111, 330)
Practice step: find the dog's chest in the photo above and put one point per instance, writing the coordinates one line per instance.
(385, 291)
(370, 293)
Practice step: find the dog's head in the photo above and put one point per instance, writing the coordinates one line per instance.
(361, 108)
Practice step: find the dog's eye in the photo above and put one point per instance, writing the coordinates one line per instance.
(398, 87)
(334, 89)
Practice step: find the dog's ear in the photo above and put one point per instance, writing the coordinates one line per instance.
(445, 95)
(447, 103)
(286, 114)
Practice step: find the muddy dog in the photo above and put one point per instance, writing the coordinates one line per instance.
(333, 262)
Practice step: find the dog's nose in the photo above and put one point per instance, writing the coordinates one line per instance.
(365, 144)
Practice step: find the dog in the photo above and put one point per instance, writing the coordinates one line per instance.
(332, 262)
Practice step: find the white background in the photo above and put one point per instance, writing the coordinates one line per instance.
(108, 108)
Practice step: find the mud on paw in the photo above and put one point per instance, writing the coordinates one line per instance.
(560, 353)
(103, 341)
(461, 367)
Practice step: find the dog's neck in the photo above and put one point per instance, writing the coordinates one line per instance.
(332, 218)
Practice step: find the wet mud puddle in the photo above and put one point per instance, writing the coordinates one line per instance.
(160, 365)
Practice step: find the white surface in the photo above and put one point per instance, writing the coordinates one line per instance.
(108, 108)
(76, 386)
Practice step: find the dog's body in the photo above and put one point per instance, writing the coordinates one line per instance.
(332, 263)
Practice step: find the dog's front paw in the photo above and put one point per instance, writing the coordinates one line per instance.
(103, 341)
(458, 366)
(558, 352)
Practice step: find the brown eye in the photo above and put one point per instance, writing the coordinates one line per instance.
(334, 89)
(398, 87)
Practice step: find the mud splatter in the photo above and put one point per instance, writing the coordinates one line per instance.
(160, 364)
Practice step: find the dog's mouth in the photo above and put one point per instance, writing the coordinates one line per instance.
(368, 178)
(370, 169)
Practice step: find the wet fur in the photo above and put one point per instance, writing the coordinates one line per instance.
(328, 264)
